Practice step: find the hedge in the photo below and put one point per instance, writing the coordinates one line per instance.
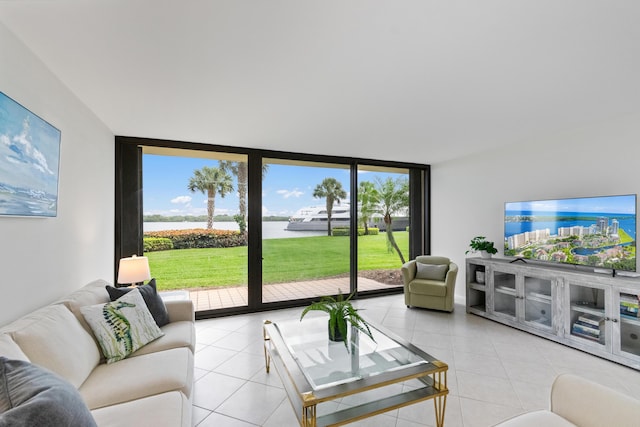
(152, 244)
(344, 231)
(200, 238)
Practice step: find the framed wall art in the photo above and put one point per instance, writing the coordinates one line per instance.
(29, 162)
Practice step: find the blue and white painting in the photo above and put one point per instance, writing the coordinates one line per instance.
(29, 157)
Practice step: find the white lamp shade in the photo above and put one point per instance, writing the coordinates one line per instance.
(134, 269)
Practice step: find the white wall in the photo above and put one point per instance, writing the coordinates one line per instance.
(468, 194)
(42, 259)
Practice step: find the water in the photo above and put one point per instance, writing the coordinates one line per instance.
(270, 229)
(625, 221)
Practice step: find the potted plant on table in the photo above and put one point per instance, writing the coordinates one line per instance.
(480, 244)
(340, 313)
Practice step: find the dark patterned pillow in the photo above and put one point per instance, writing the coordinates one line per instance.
(151, 298)
(34, 396)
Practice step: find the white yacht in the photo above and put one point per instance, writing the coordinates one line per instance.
(314, 218)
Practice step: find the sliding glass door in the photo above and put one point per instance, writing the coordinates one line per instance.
(195, 225)
(383, 226)
(306, 214)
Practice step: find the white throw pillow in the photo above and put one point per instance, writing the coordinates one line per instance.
(122, 326)
(53, 338)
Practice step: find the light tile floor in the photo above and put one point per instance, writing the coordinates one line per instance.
(495, 371)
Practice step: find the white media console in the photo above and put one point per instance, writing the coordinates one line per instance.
(593, 312)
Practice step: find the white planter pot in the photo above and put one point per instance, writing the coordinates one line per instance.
(485, 254)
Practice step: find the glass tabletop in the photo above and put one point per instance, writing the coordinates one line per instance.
(326, 363)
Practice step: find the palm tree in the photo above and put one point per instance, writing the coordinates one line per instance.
(333, 191)
(239, 169)
(368, 201)
(394, 196)
(210, 181)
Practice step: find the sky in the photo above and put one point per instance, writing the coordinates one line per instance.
(29, 148)
(624, 204)
(285, 188)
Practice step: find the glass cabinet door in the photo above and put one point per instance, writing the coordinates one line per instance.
(628, 302)
(504, 293)
(537, 302)
(587, 317)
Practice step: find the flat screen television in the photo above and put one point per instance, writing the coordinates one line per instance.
(592, 231)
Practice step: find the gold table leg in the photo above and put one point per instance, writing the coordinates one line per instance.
(309, 416)
(440, 402)
(267, 358)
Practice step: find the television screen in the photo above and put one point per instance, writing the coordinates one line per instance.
(591, 231)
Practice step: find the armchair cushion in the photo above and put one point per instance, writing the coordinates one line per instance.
(428, 287)
(431, 271)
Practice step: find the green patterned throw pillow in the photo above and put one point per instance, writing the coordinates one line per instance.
(122, 326)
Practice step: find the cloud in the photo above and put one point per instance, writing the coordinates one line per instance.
(181, 200)
(290, 193)
(28, 153)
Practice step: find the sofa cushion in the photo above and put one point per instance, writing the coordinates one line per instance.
(431, 271)
(122, 326)
(180, 310)
(53, 338)
(90, 294)
(176, 335)
(138, 377)
(151, 298)
(171, 409)
(33, 396)
(536, 419)
(10, 350)
(588, 403)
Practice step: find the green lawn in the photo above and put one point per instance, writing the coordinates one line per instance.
(285, 260)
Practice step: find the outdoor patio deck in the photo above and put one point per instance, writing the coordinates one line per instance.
(211, 299)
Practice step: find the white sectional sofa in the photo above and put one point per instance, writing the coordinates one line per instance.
(151, 387)
(578, 402)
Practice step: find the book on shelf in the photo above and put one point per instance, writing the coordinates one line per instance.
(629, 311)
(629, 299)
(586, 325)
(629, 316)
(591, 319)
(586, 336)
(589, 330)
(629, 305)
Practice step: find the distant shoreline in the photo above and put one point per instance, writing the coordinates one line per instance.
(203, 218)
(270, 229)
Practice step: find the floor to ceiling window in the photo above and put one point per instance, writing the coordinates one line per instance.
(383, 226)
(306, 255)
(195, 224)
(239, 230)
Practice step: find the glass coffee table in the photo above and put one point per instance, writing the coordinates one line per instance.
(314, 370)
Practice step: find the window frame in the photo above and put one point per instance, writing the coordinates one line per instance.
(129, 210)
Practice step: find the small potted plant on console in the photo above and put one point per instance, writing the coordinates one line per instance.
(480, 244)
(340, 313)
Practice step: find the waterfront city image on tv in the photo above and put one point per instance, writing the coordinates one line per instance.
(591, 231)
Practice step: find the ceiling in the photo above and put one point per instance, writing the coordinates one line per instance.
(422, 81)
